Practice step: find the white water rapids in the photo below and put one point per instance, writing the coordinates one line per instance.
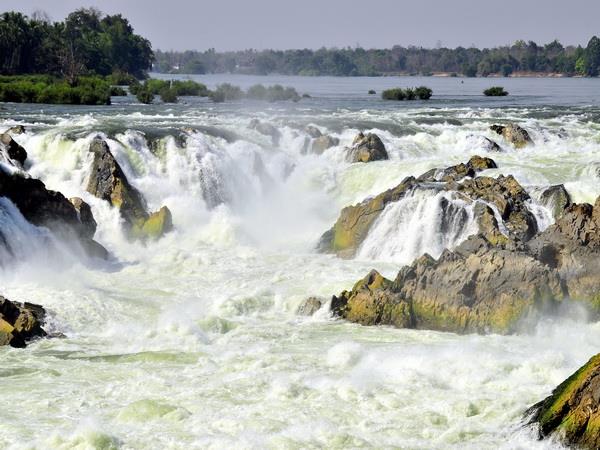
(193, 341)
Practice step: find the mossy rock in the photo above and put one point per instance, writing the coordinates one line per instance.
(157, 224)
(572, 413)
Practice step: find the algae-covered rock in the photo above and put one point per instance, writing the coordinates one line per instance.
(157, 224)
(513, 133)
(491, 290)
(20, 322)
(108, 182)
(571, 414)
(367, 148)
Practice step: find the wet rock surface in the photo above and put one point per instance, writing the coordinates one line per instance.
(571, 414)
(20, 322)
(367, 148)
(514, 134)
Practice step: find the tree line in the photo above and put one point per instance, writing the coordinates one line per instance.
(522, 56)
(85, 43)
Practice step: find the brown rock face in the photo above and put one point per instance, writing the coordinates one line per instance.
(514, 134)
(367, 148)
(20, 322)
(108, 182)
(571, 414)
(491, 290)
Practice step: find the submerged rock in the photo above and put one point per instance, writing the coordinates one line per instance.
(514, 134)
(266, 129)
(571, 414)
(108, 182)
(20, 322)
(13, 149)
(484, 143)
(313, 131)
(367, 148)
(309, 306)
(17, 129)
(322, 143)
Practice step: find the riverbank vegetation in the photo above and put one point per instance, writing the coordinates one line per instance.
(495, 91)
(419, 93)
(520, 58)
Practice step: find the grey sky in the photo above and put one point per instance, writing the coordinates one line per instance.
(241, 24)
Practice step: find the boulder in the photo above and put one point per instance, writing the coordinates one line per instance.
(571, 414)
(266, 129)
(490, 290)
(556, 199)
(514, 134)
(20, 322)
(309, 306)
(367, 148)
(107, 181)
(322, 143)
(484, 143)
(13, 149)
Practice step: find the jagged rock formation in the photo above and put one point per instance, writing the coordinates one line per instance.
(14, 151)
(20, 322)
(572, 413)
(557, 199)
(488, 284)
(108, 182)
(514, 134)
(354, 222)
(367, 148)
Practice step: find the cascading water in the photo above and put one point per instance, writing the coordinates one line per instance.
(425, 221)
(192, 341)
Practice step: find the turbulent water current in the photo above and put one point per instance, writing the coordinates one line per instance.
(193, 341)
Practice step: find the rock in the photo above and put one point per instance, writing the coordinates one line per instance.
(571, 414)
(313, 131)
(13, 149)
(508, 196)
(514, 134)
(367, 148)
(505, 193)
(556, 199)
(20, 322)
(85, 215)
(157, 224)
(455, 173)
(266, 129)
(484, 143)
(322, 143)
(572, 246)
(107, 181)
(492, 290)
(17, 129)
(309, 306)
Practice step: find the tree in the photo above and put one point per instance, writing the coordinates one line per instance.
(592, 53)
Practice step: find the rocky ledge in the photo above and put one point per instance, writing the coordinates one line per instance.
(571, 414)
(496, 281)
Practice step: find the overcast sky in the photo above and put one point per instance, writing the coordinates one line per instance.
(242, 24)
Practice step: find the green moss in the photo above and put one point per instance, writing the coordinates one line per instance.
(157, 224)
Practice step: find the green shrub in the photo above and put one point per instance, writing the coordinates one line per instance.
(217, 96)
(257, 92)
(120, 78)
(117, 91)
(393, 94)
(168, 95)
(228, 92)
(190, 88)
(144, 95)
(423, 93)
(495, 91)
